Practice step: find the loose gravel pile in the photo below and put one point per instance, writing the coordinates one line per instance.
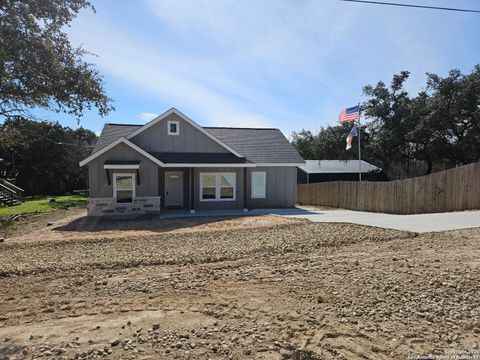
(187, 248)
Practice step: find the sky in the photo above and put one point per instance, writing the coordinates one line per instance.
(288, 64)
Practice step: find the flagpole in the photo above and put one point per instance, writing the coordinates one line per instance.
(359, 148)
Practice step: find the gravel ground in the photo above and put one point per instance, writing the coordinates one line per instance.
(296, 291)
(73, 223)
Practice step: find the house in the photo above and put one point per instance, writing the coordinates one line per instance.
(172, 162)
(314, 171)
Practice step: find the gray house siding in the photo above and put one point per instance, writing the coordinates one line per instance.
(99, 187)
(281, 187)
(156, 138)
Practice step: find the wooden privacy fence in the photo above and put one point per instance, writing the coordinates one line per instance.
(450, 190)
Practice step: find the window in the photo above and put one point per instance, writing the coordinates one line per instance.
(124, 188)
(173, 127)
(259, 184)
(217, 186)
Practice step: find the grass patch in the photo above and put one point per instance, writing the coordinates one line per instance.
(39, 204)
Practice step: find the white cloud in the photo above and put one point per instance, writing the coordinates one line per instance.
(147, 116)
(257, 63)
(184, 82)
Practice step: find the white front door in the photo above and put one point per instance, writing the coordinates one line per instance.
(174, 188)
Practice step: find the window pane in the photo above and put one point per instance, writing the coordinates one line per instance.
(258, 184)
(173, 127)
(208, 180)
(124, 182)
(227, 180)
(208, 193)
(226, 193)
(124, 196)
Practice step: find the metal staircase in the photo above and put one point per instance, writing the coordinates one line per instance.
(10, 194)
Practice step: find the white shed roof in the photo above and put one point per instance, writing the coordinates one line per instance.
(336, 166)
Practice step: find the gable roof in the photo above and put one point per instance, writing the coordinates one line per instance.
(115, 143)
(187, 120)
(335, 166)
(260, 146)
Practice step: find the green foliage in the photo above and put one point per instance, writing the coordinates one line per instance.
(38, 65)
(328, 144)
(409, 136)
(39, 204)
(43, 156)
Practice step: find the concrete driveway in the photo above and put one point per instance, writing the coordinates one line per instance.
(419, 223)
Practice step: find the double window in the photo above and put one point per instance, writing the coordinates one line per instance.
(259, 184)
(124, 188)
(217, 186)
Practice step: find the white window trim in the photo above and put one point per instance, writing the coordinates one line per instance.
(169, 122)
(132, 175)
(122, 167)
(217, 186)
(264, 185)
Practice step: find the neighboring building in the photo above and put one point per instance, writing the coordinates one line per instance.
(172, 162)
(314, 171)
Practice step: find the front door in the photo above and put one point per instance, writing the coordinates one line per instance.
(173, 189)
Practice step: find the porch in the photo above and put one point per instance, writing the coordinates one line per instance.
(187, 190)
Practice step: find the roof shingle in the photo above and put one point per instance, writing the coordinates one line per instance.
(112, 132)
(257, 145)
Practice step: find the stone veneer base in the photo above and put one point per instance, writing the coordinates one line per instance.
(108, 206)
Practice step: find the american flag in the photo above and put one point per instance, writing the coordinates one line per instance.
(349, 114)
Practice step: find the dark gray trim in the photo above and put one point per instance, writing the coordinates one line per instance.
(197, 158)
(122, 162)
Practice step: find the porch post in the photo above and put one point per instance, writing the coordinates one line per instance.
(245, 192)
(191, 180)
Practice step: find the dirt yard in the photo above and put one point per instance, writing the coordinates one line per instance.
(74, 224)
(279, 291)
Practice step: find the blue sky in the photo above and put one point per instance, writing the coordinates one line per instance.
(270, 63)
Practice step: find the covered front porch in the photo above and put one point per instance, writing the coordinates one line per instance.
(193, 189)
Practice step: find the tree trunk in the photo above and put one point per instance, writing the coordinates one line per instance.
(429, 166)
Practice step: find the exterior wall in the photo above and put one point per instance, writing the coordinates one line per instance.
(99, 187)
(281, 188)
(156, 139)
(281, 185)
(107, 206)
(219, 205)
(302, 176)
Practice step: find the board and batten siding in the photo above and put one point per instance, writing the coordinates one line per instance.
(281, 187)
(190, 139)
(99, 187)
